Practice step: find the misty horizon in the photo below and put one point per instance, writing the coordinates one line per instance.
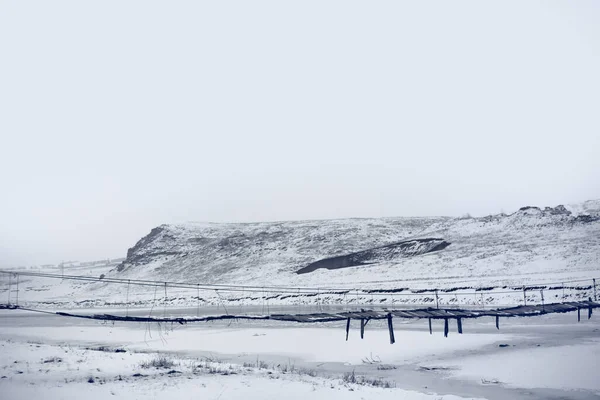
(113, 123)
(123, 256)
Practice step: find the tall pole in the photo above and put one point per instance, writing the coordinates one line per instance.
(127, 299)
(9, 286)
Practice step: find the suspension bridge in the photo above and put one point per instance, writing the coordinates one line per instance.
(361, 312)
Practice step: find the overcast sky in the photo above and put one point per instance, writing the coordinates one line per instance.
(117, 116)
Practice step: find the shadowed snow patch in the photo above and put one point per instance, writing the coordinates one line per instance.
(390, 252)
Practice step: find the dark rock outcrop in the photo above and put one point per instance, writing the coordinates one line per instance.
(390, 252)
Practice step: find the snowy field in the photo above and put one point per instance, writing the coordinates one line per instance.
(550, 357)
(488, 263)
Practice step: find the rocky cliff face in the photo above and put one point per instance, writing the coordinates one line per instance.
(558, 240)
(216, 250)
(389, 253)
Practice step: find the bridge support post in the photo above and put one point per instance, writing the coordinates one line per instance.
(362, 328)
(445, 327)
(9, 286)
(17, 301)
(347, 328)
(391, 328)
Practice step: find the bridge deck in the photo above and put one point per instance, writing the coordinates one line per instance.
(433, 313)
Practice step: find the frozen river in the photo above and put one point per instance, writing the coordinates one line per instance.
(549, 357)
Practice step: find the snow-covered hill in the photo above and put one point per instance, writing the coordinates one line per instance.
(590, 207)
(530, 245)
(258, 252)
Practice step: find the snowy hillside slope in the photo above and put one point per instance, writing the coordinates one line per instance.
(530, 245)
(257, 252)
(590, 207)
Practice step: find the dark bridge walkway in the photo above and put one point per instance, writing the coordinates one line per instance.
(364, 316)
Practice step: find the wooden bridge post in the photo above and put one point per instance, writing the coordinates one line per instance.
(391, 328)
(498, 322)
(347, 328)
(430, 330)
(127, 299)
(595, 297)
(459, 325)
(590, 309)
(17, 302)
(362, 328)
(165, 302)
(198, 300)
(578, 314)
(9, 287)
(446, 327)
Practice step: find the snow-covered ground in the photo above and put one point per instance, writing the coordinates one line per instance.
(537, 367)
(531, 358)
(64, 372)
